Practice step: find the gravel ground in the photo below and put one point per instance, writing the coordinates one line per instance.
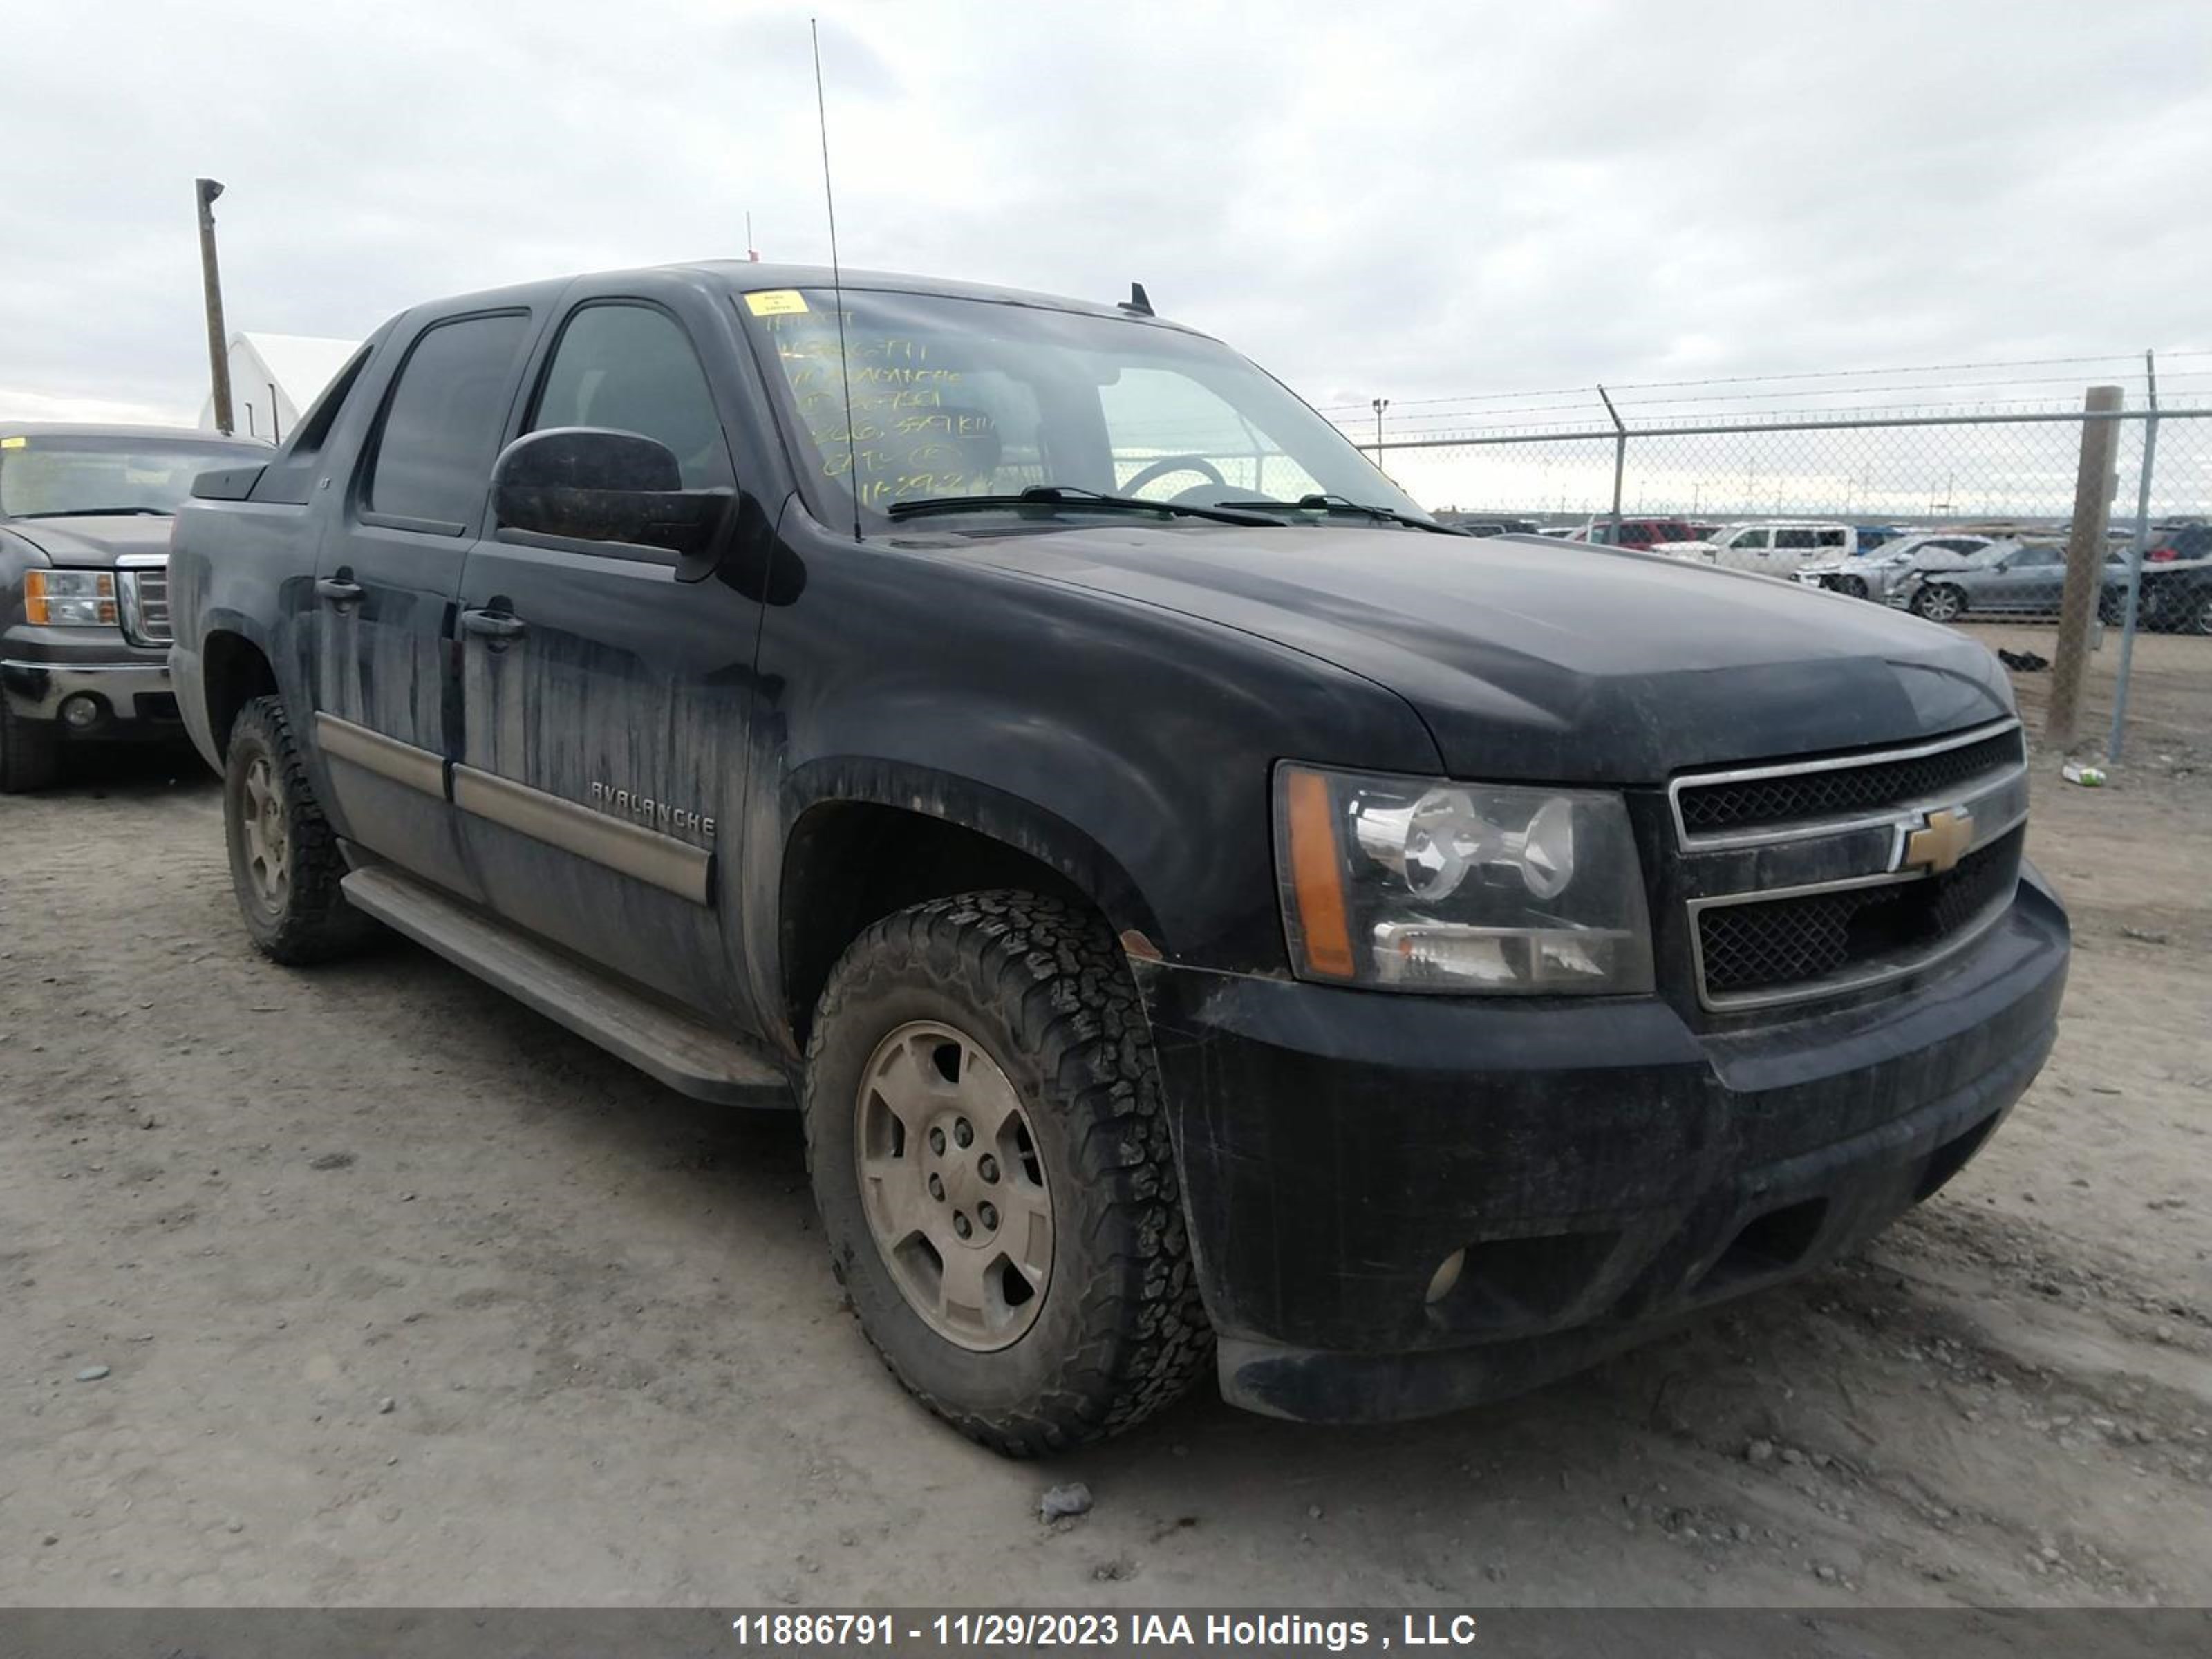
(366, 1286)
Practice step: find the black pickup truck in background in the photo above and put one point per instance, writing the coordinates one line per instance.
(1204, 909)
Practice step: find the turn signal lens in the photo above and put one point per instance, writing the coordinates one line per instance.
(1316, 874)
(70, 598)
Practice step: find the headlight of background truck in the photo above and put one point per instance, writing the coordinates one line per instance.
(1423, 885)
(70, 598)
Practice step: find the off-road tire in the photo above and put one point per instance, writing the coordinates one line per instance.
(30, 753)
(1040, 985)
(313, 923)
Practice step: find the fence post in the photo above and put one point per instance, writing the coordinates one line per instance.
(1619, 459)
(2085, 562)
(2135, 564)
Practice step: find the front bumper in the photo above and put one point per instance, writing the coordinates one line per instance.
(39, 672)
(1606, 1168)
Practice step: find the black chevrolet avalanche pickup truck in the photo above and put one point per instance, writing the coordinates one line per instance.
(1204, 909)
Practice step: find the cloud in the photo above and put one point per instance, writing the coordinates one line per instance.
(1409, 201)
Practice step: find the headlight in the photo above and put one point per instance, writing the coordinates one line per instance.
(1420, 885)
(70, 598)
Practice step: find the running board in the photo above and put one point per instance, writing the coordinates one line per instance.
(682, 1053)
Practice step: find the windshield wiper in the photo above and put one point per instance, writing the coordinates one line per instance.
(1339, 505)
(1073, 496)
(102, 512)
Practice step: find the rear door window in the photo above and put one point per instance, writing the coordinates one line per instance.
(1793, 539)
(441, 424)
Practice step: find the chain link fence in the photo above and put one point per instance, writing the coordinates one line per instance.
(1961, 512)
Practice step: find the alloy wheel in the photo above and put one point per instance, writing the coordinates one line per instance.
(1939, 604)
(952, 1186)
(268, 844)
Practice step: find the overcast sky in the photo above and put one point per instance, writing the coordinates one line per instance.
(1408, 200)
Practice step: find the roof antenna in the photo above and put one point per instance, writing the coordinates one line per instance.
(1139, 301)
(836, 280)
(752, 253)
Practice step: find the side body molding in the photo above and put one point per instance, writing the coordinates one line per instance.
(631, 849)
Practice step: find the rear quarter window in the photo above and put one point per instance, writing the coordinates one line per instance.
(290, 478)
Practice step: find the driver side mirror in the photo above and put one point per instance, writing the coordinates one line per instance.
(591, 484)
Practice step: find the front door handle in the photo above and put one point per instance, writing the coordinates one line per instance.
(338, 591)
(496, 626)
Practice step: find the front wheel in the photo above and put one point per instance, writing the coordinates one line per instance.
(285, 865)
(991, 1159)
(1939, 602)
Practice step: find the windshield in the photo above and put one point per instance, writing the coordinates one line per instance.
(957, 397)
(81, 474)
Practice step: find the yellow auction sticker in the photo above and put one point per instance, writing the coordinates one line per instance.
(14, 443)
(776, 303)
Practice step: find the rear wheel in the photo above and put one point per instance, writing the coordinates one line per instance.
(991, 1159)
(30, 755)
(285, 865)
(1939, 602)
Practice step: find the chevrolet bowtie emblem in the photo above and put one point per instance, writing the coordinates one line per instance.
(1941, 842)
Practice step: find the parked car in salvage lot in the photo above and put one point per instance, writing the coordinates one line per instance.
(1770, 547)
(1636, 531)
(84, 541)
(2013, 578)
(1193, 921)
(1877, 575)
(2176, 598)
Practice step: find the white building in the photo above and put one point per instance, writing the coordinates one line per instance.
(275, 378)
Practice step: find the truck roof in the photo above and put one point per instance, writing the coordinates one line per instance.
(744, 275)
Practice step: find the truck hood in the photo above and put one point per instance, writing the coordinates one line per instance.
(1532, 658)
(93, 544)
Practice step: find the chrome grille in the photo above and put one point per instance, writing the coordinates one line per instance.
(1814, 877)
(1841, 790)
(1766, 944)
(144, 589)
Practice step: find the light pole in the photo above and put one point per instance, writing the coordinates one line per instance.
(204, 190)
(1381, 404)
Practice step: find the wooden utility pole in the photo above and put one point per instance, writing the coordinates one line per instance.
(2093, 484)
(205, 191)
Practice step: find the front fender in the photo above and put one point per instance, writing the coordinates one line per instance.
(998, 813)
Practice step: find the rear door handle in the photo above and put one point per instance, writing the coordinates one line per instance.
(338, 591)
(498, 627)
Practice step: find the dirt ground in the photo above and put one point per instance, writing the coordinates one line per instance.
(406, 1295)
